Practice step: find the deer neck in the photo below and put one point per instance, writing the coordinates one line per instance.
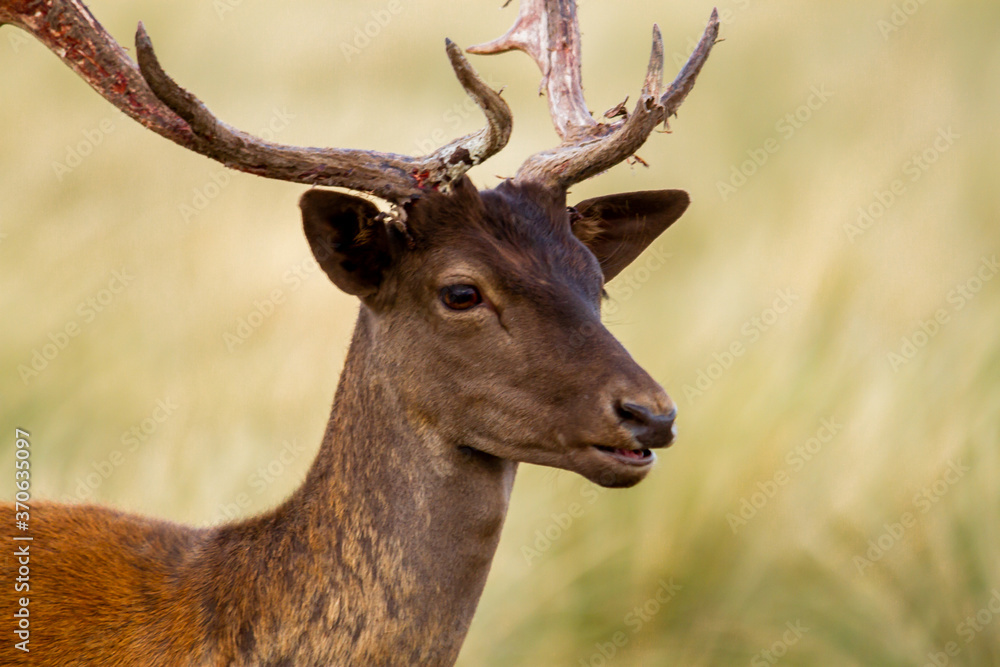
(381, 555)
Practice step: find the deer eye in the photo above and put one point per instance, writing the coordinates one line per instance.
(460, 297)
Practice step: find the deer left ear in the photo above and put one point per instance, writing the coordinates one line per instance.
(617, 228)
(348, 239)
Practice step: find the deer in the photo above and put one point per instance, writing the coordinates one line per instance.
(458, 370)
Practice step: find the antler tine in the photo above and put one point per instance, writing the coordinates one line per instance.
(550, 34)
(151, 97)
(487, 141)
(685, 79)
(522, 36)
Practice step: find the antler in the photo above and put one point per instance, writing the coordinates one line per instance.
(152, 98)
(548, 31)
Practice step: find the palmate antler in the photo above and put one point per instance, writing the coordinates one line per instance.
(149, 96)
(548, 31)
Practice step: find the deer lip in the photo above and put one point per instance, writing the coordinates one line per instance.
(632, 457)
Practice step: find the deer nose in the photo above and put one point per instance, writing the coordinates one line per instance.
(650, 427)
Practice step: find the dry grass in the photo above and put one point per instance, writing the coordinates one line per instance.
(795, 559)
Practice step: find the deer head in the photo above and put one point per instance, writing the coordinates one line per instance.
(483, 306)
(487, 312)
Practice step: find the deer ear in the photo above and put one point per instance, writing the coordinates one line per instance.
(617, 228)
(347, 238)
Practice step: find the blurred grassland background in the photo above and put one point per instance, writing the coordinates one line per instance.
(868, 552)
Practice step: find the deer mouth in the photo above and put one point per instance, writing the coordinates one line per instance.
(632, 457)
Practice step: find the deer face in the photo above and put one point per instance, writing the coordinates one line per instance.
(486, 318)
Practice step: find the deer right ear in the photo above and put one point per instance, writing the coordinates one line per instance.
(617, 228)
(347, 238)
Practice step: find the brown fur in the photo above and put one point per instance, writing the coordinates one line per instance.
(380, 557)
